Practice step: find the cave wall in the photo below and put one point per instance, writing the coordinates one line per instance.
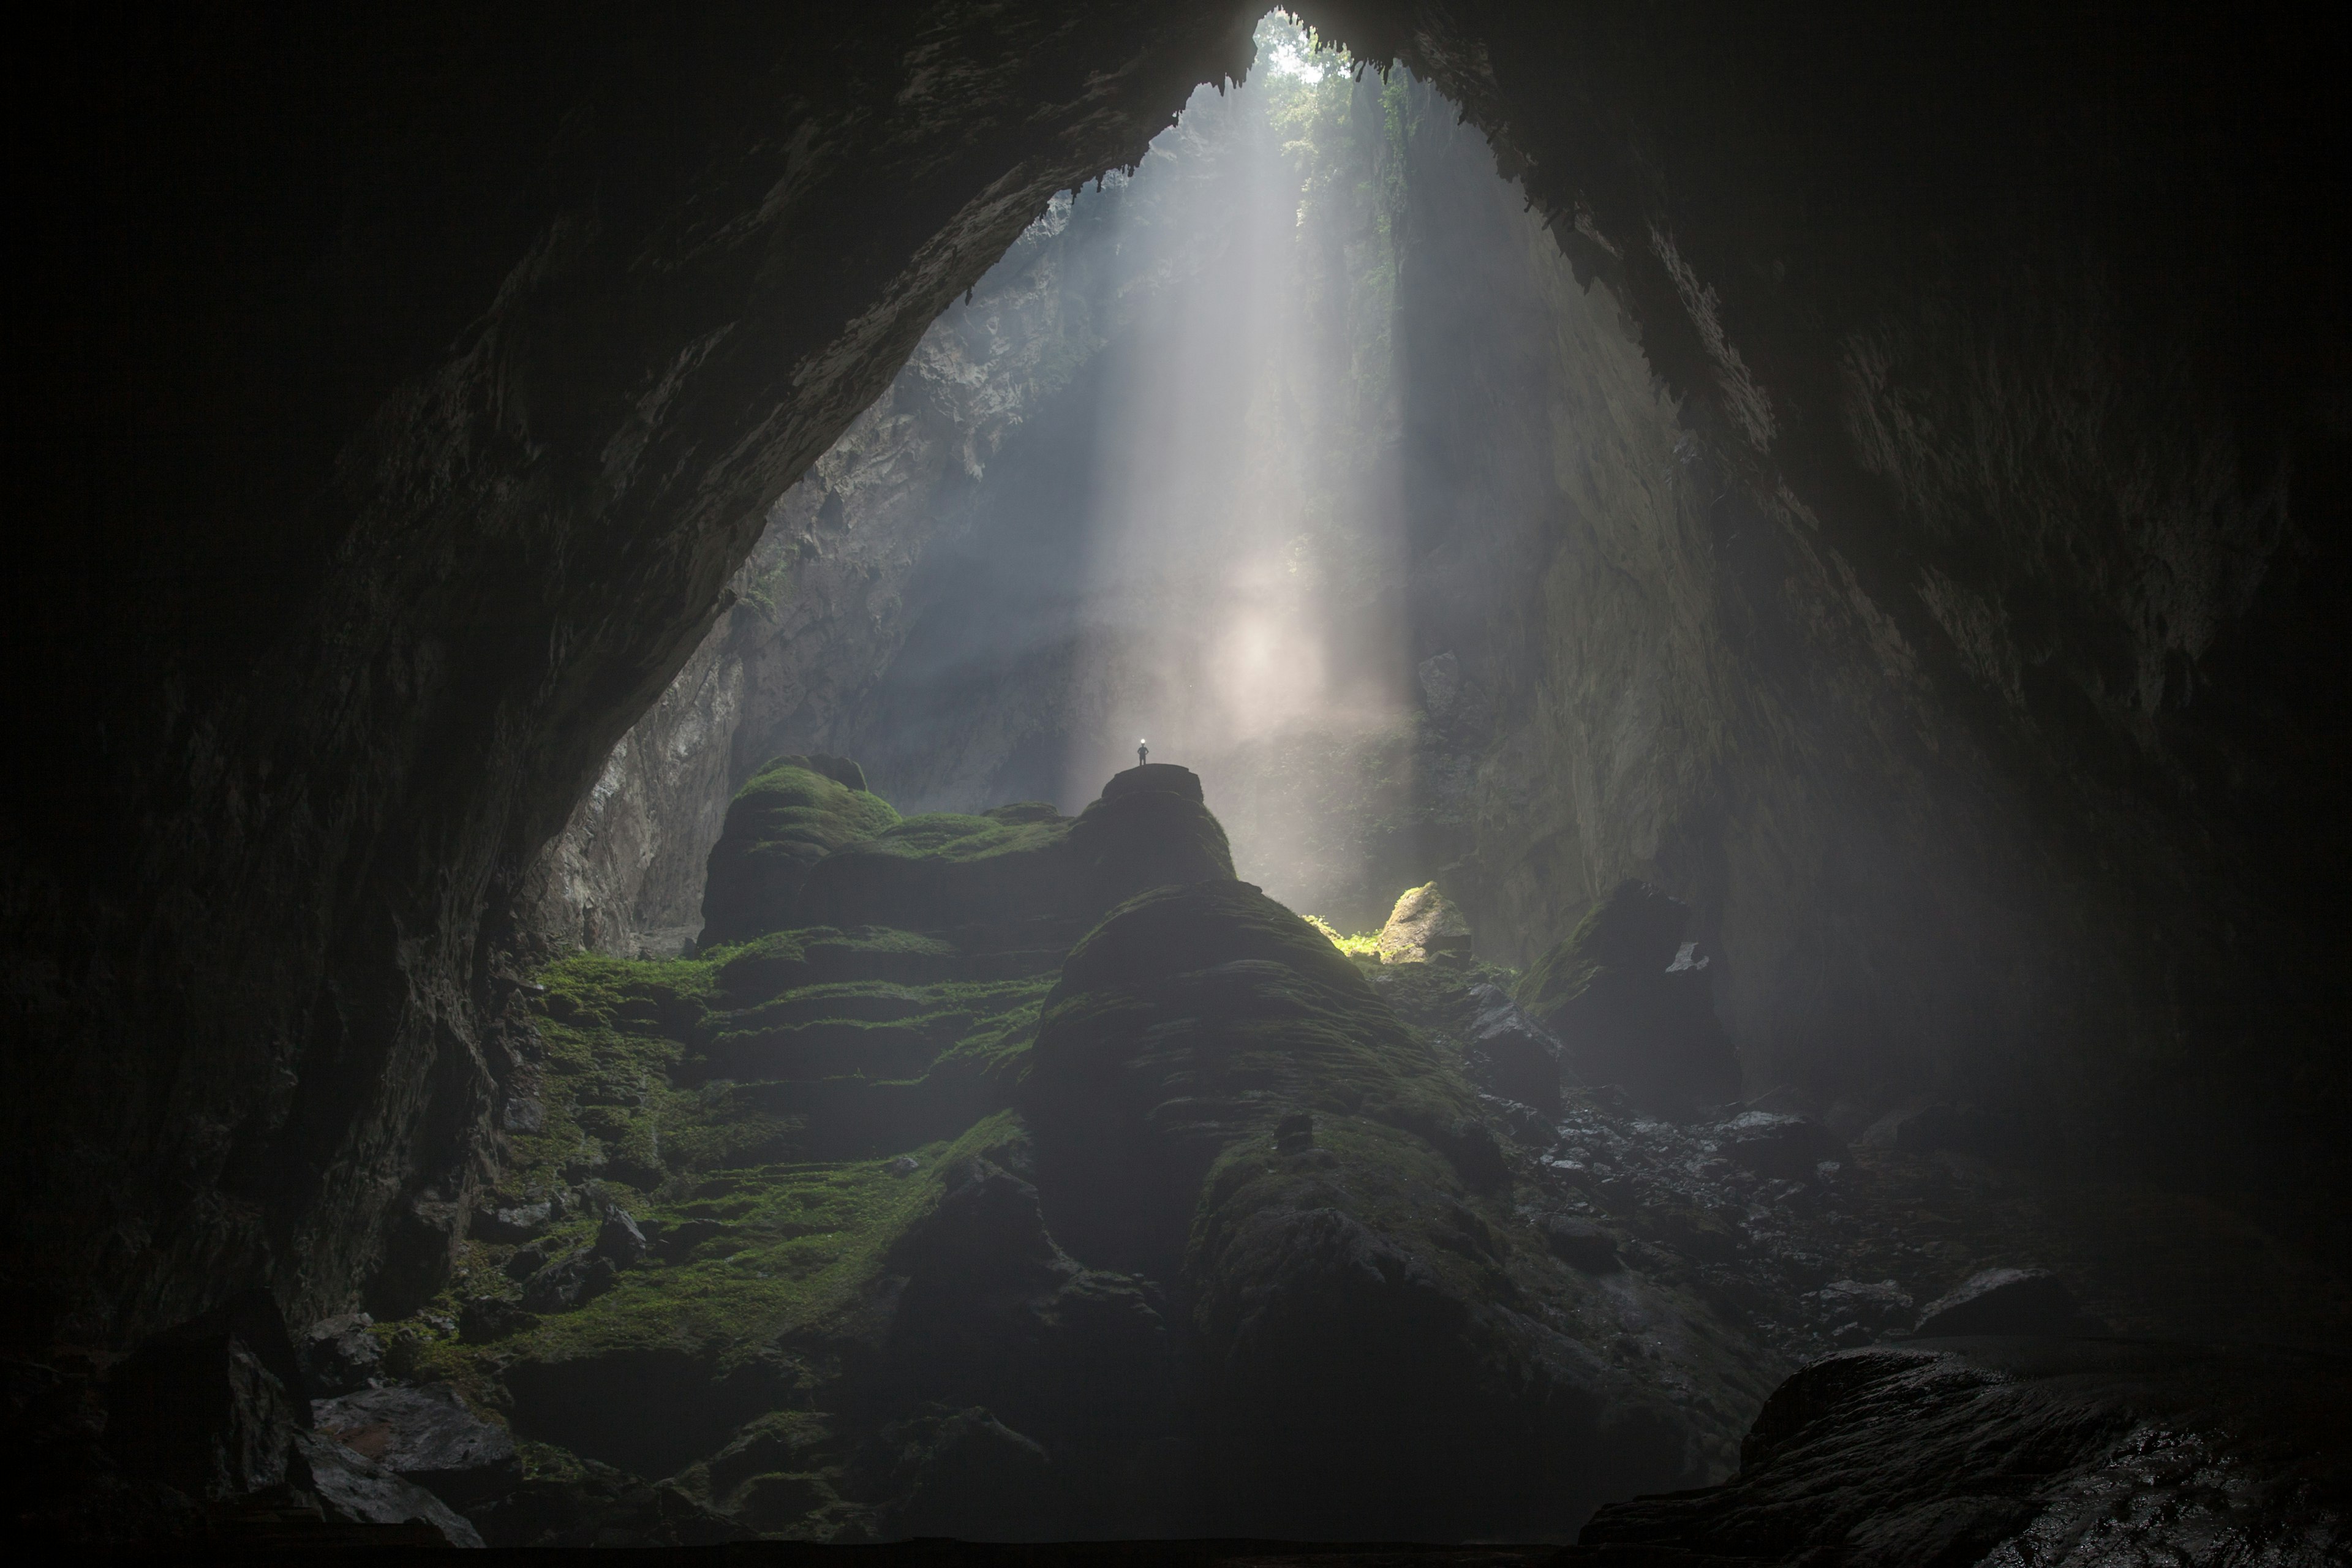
(408, 387)
(417, 384)
(2022, 440)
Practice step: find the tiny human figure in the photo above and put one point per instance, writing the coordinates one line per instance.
(1143, 752)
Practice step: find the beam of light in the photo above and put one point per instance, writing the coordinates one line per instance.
(1243, 519)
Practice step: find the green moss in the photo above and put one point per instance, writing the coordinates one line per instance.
(1361, 944)
(1218, 986)
(787, 818)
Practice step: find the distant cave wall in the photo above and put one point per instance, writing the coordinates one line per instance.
(817, 613)
(1968, 665)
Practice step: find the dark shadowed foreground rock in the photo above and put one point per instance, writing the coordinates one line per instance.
(2006, 1301)
(2026, 1451)
(209, 1407)
(339, 1355)
(352, 1489)
(427, 1436)
(1630, 1005)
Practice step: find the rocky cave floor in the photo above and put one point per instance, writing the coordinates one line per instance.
(797, 1239)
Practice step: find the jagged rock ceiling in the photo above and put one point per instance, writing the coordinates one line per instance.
(403, 391)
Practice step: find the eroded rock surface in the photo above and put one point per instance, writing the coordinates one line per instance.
(2067, 1452)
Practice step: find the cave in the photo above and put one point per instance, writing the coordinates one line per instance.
(1725, 949)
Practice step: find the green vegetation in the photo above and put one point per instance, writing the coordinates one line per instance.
(1357, 944)
(791, 814)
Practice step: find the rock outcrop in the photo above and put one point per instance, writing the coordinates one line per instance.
(1630, 1006)
(2059, 1451)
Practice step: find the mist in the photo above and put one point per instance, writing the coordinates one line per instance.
(1200, 543)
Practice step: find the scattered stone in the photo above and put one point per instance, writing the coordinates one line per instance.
(523, 1112)
(2007, 1302)
(1421, 927)
(1858, 1313)
(485, 1319)
(518, 1222)
(339, 1355)
(1510, 1056)
(1580, 1244)
(619, 1241)
(354, 1489)
(569, 1282)
(904, 1165)
(1788, 1148)
(427, 1436)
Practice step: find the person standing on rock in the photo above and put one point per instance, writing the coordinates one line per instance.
(1143, 752)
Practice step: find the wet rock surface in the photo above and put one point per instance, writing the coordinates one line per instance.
(2023, 1450)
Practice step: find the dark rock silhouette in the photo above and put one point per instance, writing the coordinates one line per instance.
(2093, 1452)
(1624, 1014)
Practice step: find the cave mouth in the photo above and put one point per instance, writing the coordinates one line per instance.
(1180, 471)
(1721, 892)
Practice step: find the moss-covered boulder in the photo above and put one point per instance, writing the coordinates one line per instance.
(1424, 925)
(946, 871)
(1023, 876)
(1220, 1100)
(1150, 829)
(1630, 1007)
(1196, 1016)
(792, 812)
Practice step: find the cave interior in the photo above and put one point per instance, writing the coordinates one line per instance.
(1393, 772)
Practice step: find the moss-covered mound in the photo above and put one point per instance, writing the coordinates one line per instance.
(792, 812)
(1023, 876)
(1629, 1008)
(1194, 1016)
(853, 1231)
(947, 871)
(1149, 829)
(1221, 1100)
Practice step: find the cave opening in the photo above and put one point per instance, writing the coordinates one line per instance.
(1734, 621)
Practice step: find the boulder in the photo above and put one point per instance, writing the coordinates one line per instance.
(1629, 1002)
(569, 1282)
(1195, 1017)
(791, 814)
(340, 1353)
(2006, 1301)
(1508, 1056)
(485, 1319)
(620, 1241)
(210, 1407)
(1423, 925)
(1854, 1312)
(965, 1474)
(512, 1222)
(1788, 1148)
(2073, 1451)
(352, 1489)
(428, 1435)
